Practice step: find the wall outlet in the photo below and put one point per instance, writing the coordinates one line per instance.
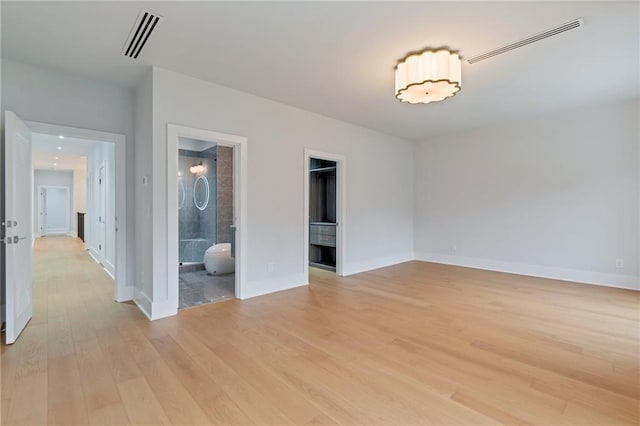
(271, 267)
(619, 263)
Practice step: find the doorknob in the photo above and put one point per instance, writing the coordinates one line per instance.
(16, 239)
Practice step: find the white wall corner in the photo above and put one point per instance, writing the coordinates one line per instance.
(110, 268)
(271, 285)
(126, 294)
(629, 282)
(163, 309)
(352, 268)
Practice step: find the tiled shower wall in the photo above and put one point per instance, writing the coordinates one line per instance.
(225, 194)
(197, 228)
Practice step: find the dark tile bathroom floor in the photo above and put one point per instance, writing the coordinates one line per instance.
(198, 288)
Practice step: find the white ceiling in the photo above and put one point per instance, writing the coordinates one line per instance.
(72, 155)
(337, 58)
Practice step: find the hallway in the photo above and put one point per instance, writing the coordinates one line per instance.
(66, 349)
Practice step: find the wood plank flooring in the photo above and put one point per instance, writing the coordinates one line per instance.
(416, 343)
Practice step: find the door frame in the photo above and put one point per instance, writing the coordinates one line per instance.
(239, 145)
(122, 292)
(341, 207)
(41, 221)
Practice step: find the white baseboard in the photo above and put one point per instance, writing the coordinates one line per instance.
(154, 310)
(381, 262)
(109, 273)
(262, 287)
(587, 277)
(143, 302)
(94, 256)
(56, 232)
(110, 268)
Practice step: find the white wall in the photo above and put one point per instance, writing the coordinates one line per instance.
(52, 178)
(144, 238)
(49, 96)
(379, 179)
(552, 196)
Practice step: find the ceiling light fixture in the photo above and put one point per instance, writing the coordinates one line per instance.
(59, 147)
(60, 137)
(428, 76)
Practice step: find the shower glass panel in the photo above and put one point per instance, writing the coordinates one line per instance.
(196, 203)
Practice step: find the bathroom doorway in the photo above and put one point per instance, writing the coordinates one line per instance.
(206, 271)
(225, 259)
(324, 209)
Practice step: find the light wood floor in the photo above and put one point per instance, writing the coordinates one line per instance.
(416, 343)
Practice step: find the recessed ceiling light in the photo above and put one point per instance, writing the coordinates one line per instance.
(59, 147)
(60, 137)
(55, 164)
(57, 158)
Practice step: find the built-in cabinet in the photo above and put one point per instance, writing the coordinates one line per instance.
(322, 213)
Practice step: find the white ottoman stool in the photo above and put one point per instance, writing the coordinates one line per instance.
(218, 260)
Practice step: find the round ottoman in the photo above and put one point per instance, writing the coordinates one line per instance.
(218, 260)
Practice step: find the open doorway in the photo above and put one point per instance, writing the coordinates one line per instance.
(206, 218)
(53, 213)
(74, 187)
(324, 214)
(206, 245)
(90, 165)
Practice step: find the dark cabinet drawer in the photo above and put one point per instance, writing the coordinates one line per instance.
(323, 240)
(322, 229)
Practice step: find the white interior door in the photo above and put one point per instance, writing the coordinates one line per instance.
(56, 210)
(102, 211)
(17, 226)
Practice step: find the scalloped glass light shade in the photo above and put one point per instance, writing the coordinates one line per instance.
(428, 76)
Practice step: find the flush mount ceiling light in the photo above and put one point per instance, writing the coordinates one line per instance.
(428, 76)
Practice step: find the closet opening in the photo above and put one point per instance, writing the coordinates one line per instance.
(324, 212)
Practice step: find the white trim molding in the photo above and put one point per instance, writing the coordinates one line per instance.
(377, 263)
(122, 291)
(272, 285)
(586, 277)
(239, 145)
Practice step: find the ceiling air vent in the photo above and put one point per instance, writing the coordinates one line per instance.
(144, 26)
(576, 23)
